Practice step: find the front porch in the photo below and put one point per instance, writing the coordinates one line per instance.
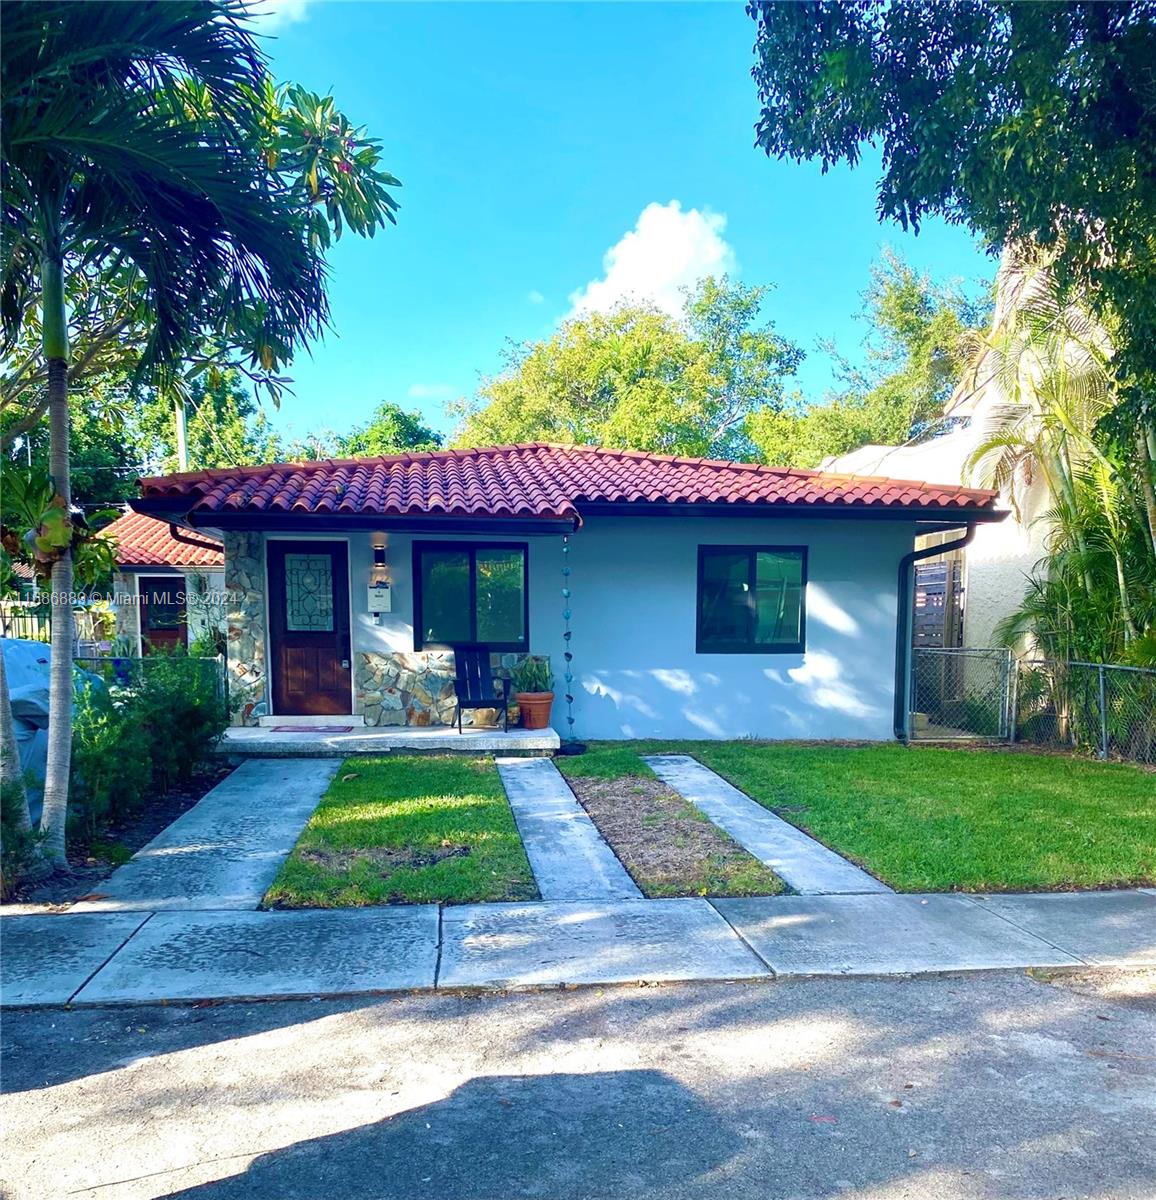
(333, 741)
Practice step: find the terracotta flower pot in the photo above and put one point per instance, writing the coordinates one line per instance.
(534, 708)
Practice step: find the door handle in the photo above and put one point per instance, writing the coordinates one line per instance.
(345, 664)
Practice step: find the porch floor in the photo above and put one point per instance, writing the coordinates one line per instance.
(430, 739)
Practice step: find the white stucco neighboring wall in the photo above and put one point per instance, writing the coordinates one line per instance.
(1002, 556)
(634, 602)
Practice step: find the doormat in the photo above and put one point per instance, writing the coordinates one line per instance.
(312, 728)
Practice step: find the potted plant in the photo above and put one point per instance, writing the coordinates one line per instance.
(533, 691)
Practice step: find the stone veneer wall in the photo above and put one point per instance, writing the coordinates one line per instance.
(418, 688)
(127, 611)
(247, 657)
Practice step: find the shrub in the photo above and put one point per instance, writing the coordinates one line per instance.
(184, 711)
(111, 756)
(140, 731)
(17, 846)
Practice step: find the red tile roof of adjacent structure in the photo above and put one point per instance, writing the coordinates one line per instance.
(146, 542)
(535, 480)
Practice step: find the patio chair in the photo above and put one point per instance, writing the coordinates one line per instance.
(475, 681)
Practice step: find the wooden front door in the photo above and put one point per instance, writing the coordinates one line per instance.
(309, 627)
(163, 618)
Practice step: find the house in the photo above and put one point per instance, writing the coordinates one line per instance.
(169, 584)
(675, 597)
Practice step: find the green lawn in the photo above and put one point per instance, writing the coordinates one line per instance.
(926, 819)
(407, 830)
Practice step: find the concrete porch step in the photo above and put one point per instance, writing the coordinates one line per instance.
(437, 739)
(311, 722)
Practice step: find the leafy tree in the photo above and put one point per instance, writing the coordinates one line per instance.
(1028, 122)
(921, 334)
(106, 449)
(141, 136)
(390, 430)
(636, 377)
(224, 426)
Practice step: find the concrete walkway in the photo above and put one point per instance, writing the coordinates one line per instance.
(805, 864)
(113, 958)
(569, 857)
(226, 850)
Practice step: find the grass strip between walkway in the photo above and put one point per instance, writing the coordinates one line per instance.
(925, 819)
(407, 830)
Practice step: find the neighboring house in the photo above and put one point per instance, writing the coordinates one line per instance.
(995, 567)
(704, 599)
(169, 584)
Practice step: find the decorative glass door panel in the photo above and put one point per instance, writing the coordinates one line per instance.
(309, 593)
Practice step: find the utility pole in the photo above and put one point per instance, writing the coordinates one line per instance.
(182, 441)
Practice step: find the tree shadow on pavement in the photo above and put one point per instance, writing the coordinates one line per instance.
(634, 1133)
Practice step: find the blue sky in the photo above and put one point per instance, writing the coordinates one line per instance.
(556, 156)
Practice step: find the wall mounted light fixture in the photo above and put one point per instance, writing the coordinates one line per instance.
(380, 589)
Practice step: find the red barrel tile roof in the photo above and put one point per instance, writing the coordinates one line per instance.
(535, 480)
(146, 542)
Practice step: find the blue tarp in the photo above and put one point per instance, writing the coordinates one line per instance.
(26, 664)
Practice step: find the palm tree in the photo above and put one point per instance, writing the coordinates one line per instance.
(1051, 363)
(128, 134)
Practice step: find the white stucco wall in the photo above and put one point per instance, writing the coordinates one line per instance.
(634, 585)
(635, 582)
(205, 607)
(1001, 557)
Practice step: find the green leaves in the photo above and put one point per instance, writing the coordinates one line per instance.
(636, 377)
(38, 528)
(1026, 122)
(151, 138)
(919, 336)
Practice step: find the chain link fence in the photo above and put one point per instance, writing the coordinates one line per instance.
(960, 695)
(1093, 707)
(986, 694)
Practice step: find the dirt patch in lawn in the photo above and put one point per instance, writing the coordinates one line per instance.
(667, 845)
(385, 859)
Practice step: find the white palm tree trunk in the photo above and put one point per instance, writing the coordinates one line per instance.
(54, 819)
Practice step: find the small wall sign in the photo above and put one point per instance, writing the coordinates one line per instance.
(380, 598)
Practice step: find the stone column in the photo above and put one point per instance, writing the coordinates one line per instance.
(127, 610)
(247, 651)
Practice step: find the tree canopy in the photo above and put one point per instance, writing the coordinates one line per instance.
(920, 335)
(1025, 121)
(391, 430)
(637, 377)
(146, 149)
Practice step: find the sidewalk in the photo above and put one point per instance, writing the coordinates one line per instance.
(227, 849)
(102, 958)
(569, 857)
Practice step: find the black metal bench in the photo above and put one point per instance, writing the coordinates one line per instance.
(474, 683)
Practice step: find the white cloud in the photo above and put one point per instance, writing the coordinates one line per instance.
(430, 391)
(272, 14)
(535, 297)
(666, 251)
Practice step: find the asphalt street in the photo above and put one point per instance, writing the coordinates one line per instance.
(993, 1087)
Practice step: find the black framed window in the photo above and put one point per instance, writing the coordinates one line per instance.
(470, 594)
(751, 599)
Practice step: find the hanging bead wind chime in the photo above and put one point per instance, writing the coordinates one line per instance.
(570, 745)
